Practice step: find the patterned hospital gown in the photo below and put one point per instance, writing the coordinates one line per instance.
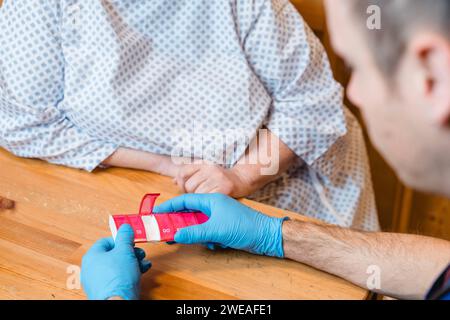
(81, 78)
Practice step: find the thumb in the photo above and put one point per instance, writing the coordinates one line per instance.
(191, 235)
(102, 245)
(125, 236)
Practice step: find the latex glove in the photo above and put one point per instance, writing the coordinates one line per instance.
(114, 269)
(231, 224)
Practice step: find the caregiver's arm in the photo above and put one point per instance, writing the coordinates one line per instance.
(408, 264)
(32, 87)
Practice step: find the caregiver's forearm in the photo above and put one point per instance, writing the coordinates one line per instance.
(407, 264)
(134, 159)
(256, 174)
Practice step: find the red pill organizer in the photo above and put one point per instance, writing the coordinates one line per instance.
(150, 227)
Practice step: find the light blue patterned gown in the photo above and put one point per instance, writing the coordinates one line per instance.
(79, 79)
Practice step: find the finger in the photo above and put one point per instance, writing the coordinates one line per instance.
(206, 187)
(198, 202)
(102, 245)
(139, 253)
(193, 235)
(215, 190)
(195, 181)
(185, 173)
(125, 236)
(180, 184)
(211, 246)
(145, 265)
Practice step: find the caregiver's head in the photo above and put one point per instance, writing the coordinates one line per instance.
(401, 81)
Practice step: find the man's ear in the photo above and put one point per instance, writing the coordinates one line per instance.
(432, 52)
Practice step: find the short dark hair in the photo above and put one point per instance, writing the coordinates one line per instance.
(399, 19)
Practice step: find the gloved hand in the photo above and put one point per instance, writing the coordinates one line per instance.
(231, 224)
(114, 269)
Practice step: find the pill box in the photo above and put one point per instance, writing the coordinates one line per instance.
(150, 227)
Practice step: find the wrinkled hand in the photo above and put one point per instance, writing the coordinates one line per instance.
(114, 269)
(209, 178)
(231, 224)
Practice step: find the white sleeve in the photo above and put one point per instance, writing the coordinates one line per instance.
(32, 88)
(307, 112)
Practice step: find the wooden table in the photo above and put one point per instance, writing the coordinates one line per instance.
(60, 212)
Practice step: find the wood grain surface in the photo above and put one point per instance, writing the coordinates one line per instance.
(60, 212)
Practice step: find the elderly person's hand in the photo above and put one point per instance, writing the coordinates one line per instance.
(210, 178)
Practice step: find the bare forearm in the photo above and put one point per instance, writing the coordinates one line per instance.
(134, 159)
(408, 264)
(266, 159)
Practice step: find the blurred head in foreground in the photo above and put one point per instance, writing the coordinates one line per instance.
(399, 52)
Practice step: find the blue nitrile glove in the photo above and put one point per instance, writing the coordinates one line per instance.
(230, 224)
(113, 269)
